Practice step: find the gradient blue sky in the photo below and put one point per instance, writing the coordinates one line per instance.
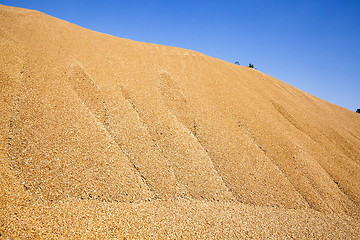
(312, 45)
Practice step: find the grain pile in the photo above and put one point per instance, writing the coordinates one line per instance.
(103, 137)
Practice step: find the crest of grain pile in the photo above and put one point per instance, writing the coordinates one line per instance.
(103, 137)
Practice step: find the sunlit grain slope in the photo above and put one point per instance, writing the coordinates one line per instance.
(107, 137)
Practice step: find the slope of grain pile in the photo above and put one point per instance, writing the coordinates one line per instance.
(103, 137)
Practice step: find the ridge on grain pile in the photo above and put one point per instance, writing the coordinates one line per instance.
(103, 137)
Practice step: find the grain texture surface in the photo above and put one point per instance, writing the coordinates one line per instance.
(104, 137)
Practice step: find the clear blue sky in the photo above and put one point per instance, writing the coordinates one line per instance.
(313, 45)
